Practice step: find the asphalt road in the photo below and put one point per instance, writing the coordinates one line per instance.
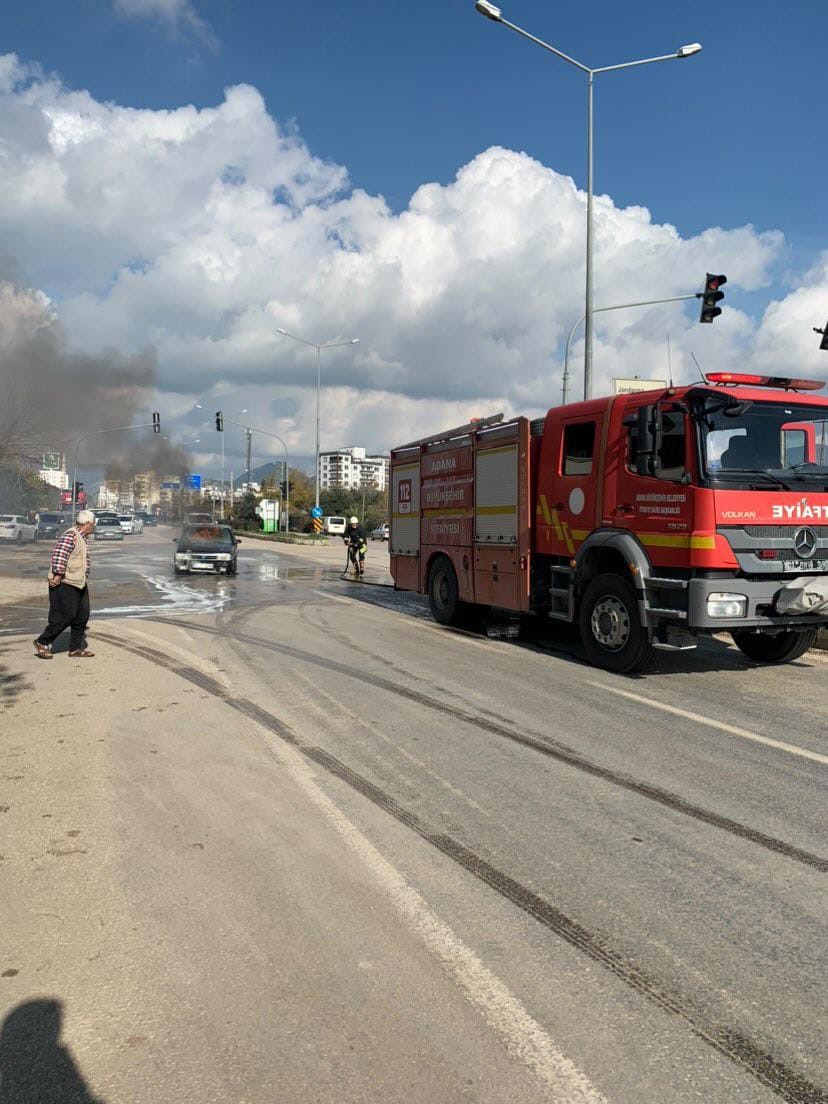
(503, 874)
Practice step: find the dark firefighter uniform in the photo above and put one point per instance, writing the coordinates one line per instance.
(357, 547)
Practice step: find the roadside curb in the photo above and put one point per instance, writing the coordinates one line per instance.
(282, 538)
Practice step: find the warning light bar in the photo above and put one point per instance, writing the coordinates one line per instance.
(746, 380)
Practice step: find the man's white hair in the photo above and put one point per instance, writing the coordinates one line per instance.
(85, 517)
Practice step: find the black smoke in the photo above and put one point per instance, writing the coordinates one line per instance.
(51, 393)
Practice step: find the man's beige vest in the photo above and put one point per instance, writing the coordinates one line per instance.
(76, 564)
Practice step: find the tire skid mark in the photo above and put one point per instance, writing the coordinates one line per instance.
(789, 1085)
(545, 746)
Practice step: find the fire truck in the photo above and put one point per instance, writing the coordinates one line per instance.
(647, 520)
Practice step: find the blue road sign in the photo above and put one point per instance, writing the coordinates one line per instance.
(171, 486)
(194, 482)
(316, 511)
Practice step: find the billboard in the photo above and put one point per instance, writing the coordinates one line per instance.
(633, 386)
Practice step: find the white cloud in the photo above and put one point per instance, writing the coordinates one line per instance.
(199, 232)
(178, 16)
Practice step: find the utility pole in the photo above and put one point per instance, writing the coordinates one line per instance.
(249, 451)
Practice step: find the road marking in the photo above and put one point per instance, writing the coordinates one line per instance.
(325, 713)
(711, 723)
(523, 1036)
(332, 597)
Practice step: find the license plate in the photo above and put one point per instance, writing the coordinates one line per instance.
(202, 566)
(803, 567)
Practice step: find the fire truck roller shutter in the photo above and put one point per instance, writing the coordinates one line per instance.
(404, 537)
(495, 494)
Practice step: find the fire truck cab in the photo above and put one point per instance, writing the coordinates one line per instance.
(646, 519)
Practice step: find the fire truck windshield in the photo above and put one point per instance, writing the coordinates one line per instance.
(780, 443)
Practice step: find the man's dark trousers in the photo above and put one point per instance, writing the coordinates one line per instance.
(68, 609)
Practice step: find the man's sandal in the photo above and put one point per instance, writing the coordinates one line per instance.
(42, 651)
(81, 653)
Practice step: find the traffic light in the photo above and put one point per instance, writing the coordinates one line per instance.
(711, 296)
(78, 490)
(219, 421)
(156, 422)
(824, 331)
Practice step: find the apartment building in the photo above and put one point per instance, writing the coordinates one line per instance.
(352, 469)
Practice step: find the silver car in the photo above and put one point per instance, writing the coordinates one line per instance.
(108, 528)
(381, 532)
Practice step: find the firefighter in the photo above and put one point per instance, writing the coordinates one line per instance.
(357, 546)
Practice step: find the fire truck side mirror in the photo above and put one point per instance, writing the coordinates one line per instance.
(649, 440)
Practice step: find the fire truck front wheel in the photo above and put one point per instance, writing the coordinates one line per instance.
(611, 628)
(782, 647)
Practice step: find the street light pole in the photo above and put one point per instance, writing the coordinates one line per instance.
(588, 311)
(319, 348)
(251, 430)
(318, 390)
(598, 310)
(491, 11)
(222, 476)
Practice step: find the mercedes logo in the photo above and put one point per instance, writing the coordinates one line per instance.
(805, 542)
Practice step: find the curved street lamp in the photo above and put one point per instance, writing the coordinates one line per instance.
(491, 11)
(319, 348)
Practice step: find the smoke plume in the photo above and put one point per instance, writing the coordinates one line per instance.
(51, 394)
(157, 455)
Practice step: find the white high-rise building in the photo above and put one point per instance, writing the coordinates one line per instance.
(352, 469)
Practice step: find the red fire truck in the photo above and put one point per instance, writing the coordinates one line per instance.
(646, 519)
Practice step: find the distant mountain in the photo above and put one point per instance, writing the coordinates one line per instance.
(274, 468)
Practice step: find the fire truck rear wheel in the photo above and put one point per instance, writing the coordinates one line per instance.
(780, 648)
(611, 628)
(443, 593)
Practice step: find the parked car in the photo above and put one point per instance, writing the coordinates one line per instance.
(50, 526)
(381, 532)
(108, 528)
(334, 526)
(17, 528)
(206, 547)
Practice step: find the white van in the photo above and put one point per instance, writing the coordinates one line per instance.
(334, 526)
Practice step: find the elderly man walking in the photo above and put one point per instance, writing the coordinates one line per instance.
(68, 592)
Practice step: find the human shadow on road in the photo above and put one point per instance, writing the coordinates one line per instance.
(35, 1067)
(12, 684)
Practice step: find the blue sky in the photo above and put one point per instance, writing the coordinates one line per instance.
(402, 93)
(197, 233)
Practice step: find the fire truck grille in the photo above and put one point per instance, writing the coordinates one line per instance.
(782, 531)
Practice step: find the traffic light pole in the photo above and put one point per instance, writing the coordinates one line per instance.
(155, 423)
(250, 430)
(598, 310)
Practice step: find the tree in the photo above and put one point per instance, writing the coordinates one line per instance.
(22, 491)
(244, 512)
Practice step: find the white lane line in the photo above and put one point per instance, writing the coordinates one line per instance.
(522, 1035)
(332, 597)
(711, 723)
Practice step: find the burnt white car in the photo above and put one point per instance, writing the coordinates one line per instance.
(17, 528)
